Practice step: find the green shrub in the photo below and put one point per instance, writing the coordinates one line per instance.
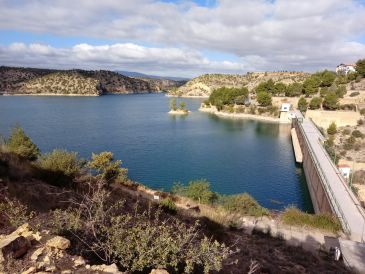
(332, 129)
(355, 93)
(357, 134)
(243, 204)
(362, 111)
(293, 216)
(16, 213)
(62, 161)
(264, 98)
(198, 190)
(315, 103)
(331, 101)
(107, 169)
(349, 144)
(168, 206)
(227, 96)
(302, 104)
(21, 144)
(139, 241)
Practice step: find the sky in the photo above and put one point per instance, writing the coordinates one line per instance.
(182, 38)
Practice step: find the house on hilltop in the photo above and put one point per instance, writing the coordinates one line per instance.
(345, 69)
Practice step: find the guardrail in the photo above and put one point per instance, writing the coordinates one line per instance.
(329, 193)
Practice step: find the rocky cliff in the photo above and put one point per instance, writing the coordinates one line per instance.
(75, 82)
(203, 85)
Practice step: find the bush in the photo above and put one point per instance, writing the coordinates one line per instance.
(140, 241)
(332, 129)
(362, 111)
(293, 216)
(264, 98)
(227, 96)
(330, 101)
(106, 168)
(168, 206)
(15, 212)
(357, 134)
(353, 94)
(349, 144)
(198, 190)
(346, 131)
(19, 143)
(302, 104)
(61, 161)
(243, 204)
(360, 122)
(295, 89)
(360, 67)
(315, 103)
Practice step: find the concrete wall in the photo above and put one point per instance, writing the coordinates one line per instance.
(323, 118)
(318, 194)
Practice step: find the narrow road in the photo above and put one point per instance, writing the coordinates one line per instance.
(343, 201)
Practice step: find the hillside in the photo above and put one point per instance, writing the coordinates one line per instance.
(203, 85)
(112, 220)
(75, 82)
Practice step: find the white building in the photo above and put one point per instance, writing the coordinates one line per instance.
(345, 171)
(345, 69)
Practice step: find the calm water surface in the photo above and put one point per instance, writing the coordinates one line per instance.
(158, 149)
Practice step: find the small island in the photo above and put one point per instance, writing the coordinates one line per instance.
(181, 110)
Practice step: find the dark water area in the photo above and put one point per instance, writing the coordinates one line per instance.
(159, 149)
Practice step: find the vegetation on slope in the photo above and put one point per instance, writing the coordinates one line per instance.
(107, 224)
(76, 82)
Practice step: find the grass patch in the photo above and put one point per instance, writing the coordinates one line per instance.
(293, 216)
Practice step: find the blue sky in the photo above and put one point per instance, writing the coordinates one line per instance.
(182, 38)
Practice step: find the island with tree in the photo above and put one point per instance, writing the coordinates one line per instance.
(178, 109)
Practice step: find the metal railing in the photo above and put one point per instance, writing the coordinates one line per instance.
(329, 192)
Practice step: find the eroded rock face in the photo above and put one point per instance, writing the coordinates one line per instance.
(13, 246)
(58, 242)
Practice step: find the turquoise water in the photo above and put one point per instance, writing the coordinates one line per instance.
(159, 149)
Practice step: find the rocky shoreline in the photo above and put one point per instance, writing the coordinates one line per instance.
(213, 110)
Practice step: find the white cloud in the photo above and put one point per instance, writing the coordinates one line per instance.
(163, 61)
(265, 35)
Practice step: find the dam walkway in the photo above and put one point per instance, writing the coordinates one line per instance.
(343, 202)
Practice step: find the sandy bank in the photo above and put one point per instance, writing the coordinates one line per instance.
(179, 112)
(214, 111)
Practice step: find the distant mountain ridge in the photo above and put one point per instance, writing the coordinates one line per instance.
(34, 81)
(142, 75)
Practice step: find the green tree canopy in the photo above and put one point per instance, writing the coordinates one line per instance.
(302, 104)
(332, 129)
(295, 89)
(315, 103)
(264, 98)
(267, 86)
(311, 85)
(327, 78)
(227, 96)
(199, 190)
(330, 101)
(173, 105)
(107, 169)
(182, 105)
(360, 67)
(280, 88)
(21, 144)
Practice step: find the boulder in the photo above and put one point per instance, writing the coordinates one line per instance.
(58, 242)
(159, 271)
(36, 254)
(30, 270)
(106, 268)
(13, 245)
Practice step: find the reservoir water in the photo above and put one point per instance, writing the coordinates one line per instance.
(159, 149)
